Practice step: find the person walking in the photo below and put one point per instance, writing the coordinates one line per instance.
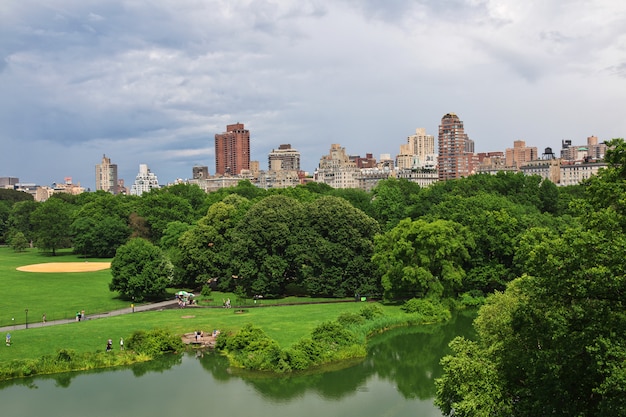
(8, 339)
(121, 343)
(43, 318)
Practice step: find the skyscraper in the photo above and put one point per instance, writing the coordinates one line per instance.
(232, 150)
(145, 181)
(455, 149)
(106, 176)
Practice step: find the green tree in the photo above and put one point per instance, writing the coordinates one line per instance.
(263, 260)
(335, 247)
(205, 248)
(140, 271)
(51, 225)
(422, 259)
(160, 208)
(19, 218)
(391, 201)
(99, 238)
(19, 242)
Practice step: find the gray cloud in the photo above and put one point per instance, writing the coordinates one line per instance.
(153, 82)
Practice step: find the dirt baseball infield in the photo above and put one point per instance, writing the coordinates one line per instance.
(66, 267)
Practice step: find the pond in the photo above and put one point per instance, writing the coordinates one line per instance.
(395, 380)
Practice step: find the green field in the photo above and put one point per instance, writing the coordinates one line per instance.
(60, 295)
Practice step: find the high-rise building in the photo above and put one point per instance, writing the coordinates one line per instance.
(232, 150)
(520, 154)
(419, 151)
(106, 176)
(455, 149)
(285, 158)
(145, 181)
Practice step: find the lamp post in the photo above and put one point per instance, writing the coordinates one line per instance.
(26, 311)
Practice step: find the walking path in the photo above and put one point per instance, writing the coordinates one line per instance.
(138, 308)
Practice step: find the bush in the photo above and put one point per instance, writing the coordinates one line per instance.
(154, 342)
(428, 309)
(371, 311)
(332, 336)
(206, 291)
(350, 319)
(474, 298)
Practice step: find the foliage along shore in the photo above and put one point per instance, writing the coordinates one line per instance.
(341, 340)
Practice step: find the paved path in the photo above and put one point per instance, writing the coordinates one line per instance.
(137, 309)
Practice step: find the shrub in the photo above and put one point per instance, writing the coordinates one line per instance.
(428, 309)
(472, 298)
(206, 291)
(371, 311)
(154, 342)
(332, 336)
(350, 319)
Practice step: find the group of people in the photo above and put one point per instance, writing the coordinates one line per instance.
(110, 344)
(79, 315)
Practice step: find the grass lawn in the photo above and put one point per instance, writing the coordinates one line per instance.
(285, 324)
(60, 295)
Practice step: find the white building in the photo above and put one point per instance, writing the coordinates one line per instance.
(336, 169)
(144, 182)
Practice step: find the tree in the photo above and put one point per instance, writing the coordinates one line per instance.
(140, 271)
(99, 238)
(335, 248)
(160, 208)
(391, 201)
(19, 242)
(555, 342)
(422, 259)
(19, 218)
(205, 249)
(51, 225)
(262, 259)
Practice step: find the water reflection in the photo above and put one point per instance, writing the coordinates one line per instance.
(407, 357)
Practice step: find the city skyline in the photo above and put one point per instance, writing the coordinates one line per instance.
(152, 84)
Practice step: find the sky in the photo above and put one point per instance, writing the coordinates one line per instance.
(152, 82)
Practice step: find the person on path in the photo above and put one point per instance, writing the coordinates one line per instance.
(43, 318)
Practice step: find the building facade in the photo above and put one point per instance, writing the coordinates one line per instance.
(455, 149)
(232, 150)
(106, 176)
(145, 181)
(285, 158)
(418, 152)
(520, 154)
(336, 169)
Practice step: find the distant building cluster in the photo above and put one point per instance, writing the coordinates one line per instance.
(418, 160)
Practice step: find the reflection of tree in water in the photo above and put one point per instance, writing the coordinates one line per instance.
(407, 356)
(410, 356)
(161, 364)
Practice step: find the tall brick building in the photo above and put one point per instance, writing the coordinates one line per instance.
(232, 150)
(455, 149)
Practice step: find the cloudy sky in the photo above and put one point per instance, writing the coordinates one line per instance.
(153, 81)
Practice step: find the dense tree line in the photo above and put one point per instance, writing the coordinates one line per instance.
(399, 241)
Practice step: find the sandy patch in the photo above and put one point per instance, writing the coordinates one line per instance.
(66, 267)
